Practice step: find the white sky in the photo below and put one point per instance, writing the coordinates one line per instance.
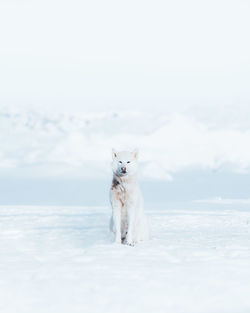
(104, 54)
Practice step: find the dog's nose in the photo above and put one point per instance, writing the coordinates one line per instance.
(124, 169)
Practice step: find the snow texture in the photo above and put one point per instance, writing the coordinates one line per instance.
(61, 259)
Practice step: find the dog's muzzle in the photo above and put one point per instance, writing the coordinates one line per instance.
(123, 170)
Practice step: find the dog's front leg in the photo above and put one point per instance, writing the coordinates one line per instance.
(131, 225)
(117, 222)
(116, 215)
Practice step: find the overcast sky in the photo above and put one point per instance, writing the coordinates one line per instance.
(92, 55)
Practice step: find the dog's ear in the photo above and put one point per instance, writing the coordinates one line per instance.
(135, 153)
(114, 154)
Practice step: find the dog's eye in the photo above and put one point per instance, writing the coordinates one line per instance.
(120, 162)
(128, 161)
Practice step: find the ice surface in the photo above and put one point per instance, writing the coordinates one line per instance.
(61, 259)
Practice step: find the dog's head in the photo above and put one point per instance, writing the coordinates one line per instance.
(124, 162)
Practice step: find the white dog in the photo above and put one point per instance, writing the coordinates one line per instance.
(128, 221)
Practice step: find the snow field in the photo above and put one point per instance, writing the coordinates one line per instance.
(62, 259)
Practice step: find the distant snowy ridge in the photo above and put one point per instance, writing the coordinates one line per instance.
(78, 144)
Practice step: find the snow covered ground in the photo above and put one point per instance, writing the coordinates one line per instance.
(61, 259)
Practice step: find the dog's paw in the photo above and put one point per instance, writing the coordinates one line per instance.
(130, 243)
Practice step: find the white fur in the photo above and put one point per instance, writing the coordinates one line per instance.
(128, 221)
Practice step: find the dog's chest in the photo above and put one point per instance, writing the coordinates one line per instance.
(124, 194)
